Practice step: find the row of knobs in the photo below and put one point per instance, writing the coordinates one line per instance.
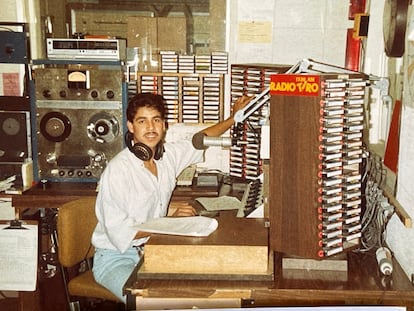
(72, 173)
(63, 94)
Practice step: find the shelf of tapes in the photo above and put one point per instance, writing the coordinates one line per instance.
(249, 80)
(174, 62)
(339, 171)
(315, 168)
(190, 98)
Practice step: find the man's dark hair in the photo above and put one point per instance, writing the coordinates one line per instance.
(149, 100)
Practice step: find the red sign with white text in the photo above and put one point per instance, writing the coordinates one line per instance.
(295, 84)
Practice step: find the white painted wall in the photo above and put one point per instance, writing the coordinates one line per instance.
(299, 29)
(401, 239)
(25, 11)
(12, 11)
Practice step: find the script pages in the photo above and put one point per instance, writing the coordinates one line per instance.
(18, 257)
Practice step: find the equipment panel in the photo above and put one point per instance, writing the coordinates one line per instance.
(79, 122)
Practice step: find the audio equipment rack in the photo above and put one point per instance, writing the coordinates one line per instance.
(316, 155)
(15, 131)
(79, 109)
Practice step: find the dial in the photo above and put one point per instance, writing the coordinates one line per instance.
(55, 126)
(11, 126)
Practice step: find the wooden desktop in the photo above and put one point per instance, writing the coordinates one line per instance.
(363, 285)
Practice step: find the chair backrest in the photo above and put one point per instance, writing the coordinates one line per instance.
(76, 221)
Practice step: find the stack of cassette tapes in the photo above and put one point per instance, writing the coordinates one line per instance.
(219, 62)
(341, 118)
(149, 83)
(173, 62)
(203, 63)
(186, 63)
(169, 61)
(170, 92)
(249, 80)
(352, 158)
(316, 160)
(211, 98)
(190, 98)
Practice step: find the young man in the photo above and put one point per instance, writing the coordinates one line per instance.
(136, 186)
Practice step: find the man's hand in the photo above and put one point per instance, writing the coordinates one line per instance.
(181, 209)
(240, 103)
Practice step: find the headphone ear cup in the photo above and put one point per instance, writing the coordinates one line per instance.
(140, 150)
(159, 151)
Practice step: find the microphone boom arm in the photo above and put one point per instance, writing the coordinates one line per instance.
(251, 107)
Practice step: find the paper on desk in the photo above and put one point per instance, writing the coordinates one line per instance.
(189, 226)
(18, 257)
(222, 203)
(7, 211)
(219, 203)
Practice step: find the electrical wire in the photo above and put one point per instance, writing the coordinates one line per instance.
(7, 28)
(377, 211)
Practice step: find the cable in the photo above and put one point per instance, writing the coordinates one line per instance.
(7, 28)
(377, 211)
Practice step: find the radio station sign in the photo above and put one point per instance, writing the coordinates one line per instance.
(295, 85)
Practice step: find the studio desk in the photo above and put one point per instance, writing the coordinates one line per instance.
(360, 284)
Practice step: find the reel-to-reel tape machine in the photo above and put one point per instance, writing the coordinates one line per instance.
(79, 121)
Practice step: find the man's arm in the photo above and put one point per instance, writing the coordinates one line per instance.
(219, 128)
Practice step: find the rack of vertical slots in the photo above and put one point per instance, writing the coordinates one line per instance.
(319, 131)
(316, 159)
(250, 80)
(190, 97)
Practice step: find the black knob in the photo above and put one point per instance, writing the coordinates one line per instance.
(47, 93)
(94, 94)
(110, 94)
(63, 94)
(9, 49)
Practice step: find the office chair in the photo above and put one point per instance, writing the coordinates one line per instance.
(75, 223)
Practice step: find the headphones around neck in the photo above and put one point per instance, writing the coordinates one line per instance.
(142, 151)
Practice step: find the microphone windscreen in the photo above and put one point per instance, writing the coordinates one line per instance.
(198, 140)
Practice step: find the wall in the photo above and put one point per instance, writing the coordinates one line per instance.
(284, 32)
(400, 238)
(12, 11)
(25, 11)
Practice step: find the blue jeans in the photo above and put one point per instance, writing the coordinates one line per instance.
(112, 269)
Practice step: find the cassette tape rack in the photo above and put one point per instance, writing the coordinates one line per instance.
(190, 97)
(250, 80)
(315, 169)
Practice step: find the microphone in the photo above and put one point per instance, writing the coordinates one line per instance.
(202, 141)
